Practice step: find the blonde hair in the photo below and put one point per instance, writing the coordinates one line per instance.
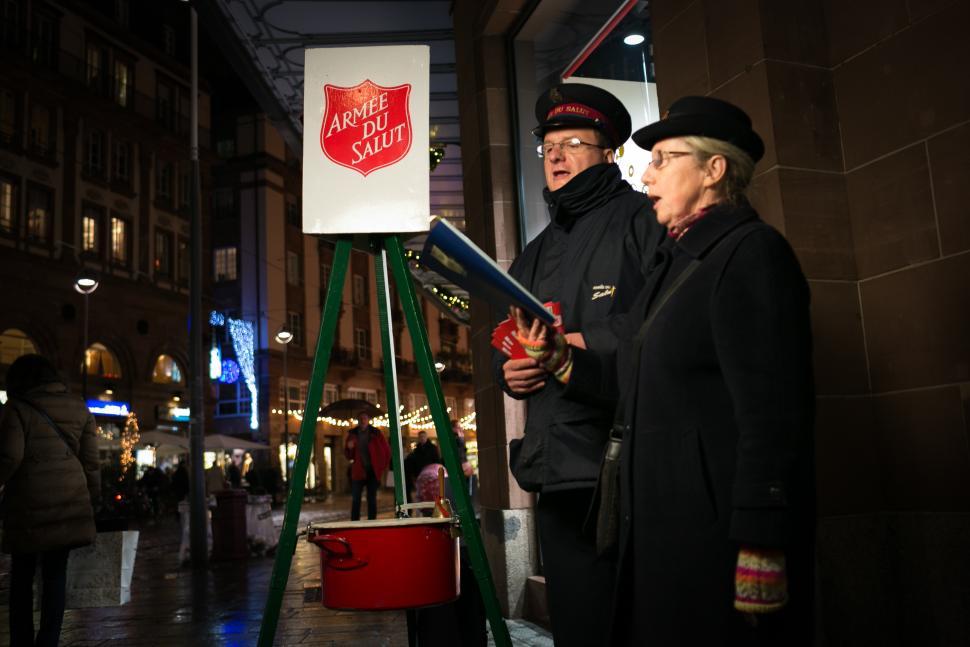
(740, 166)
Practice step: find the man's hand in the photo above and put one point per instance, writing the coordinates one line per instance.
(524, 376)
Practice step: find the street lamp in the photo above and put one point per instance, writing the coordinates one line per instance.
(85, 283)
(284, 336)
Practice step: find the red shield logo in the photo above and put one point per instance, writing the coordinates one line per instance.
(366, 127)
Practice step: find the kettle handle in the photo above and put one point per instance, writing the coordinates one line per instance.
(339, 561)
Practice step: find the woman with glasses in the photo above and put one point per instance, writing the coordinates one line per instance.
(589, 260)
(717, 404)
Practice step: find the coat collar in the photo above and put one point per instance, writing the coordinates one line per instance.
(715, 225)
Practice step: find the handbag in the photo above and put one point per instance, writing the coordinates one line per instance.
(605, 504)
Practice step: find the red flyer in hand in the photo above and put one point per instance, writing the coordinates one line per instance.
(504, 336)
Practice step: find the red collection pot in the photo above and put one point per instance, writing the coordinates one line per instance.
(386, 564)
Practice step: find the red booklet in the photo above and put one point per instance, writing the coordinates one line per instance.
(504, 336)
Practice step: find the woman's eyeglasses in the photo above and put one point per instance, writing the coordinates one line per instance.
(660, 158)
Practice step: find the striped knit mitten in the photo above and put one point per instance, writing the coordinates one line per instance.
(760, 582)
(557, 358)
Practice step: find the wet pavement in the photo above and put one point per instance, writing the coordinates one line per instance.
(172, 605)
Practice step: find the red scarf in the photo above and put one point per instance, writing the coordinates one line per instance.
(677, 231)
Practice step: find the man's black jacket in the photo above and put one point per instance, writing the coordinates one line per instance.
(590, 258)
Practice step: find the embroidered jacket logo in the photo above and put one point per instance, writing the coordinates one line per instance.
(600, 291)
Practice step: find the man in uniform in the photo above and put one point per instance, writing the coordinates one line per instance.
(589, 258)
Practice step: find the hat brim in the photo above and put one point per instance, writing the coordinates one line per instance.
(573, 121)
(703, 126)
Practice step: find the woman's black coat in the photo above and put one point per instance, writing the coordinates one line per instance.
(719, 449)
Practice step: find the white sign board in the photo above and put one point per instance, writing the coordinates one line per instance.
(365, 140)
(640, 100)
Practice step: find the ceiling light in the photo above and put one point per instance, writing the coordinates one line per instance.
(633, 39)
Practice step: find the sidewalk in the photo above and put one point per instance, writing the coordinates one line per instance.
(172, 606)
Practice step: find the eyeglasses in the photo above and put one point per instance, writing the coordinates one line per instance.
(571, 146)
(660, 158)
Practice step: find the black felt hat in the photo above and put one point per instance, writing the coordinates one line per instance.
(705, 117)
(577, 105)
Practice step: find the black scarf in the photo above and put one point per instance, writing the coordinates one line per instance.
(587, 191)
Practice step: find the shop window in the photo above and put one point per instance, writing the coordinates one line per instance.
(92, 220)
(163, 254)
(40, 213)
(294, 323)
(224, 264)
(577, 48)
(41, 130)
(167, 371)
(13, 344)
(101, 362)
(9, 134)
(8, 204)
(119, 241)
(293, 274)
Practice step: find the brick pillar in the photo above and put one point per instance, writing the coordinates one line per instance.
(866, 121)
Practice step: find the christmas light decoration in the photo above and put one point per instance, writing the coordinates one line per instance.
(215, 363)
(243, 342)
(129, 439)
(216, 318)
(230, 372)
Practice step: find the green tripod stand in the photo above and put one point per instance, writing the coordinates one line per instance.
(388, 250)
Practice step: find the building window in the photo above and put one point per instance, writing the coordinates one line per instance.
(163, 188)
(293, 268)
(293, 212)
(8, 205)
(8, 118)
(119, 241)
(9, 24)
(41, 130)
(184, 261)
(13, 344)
(122, 13)
(297, 392)
(234, 400)
(360, 290)
(224, 264)
(331, 393)
(43, 39)
(163, 254)
(96, 64)
(226, 148)
(122, 170)
(416, 401)
(166, 371)
(40, 213)
(224, 203)
(123, 83)
(168, 40)
(91, 223)
(101, 362)
(469, 404)
(94, 154)
(362, 343)
(452, 405)
(165, 104)
(367, 395)
(185, 186)
(294, 322)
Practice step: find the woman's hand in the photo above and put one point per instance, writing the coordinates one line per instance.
(544, 344)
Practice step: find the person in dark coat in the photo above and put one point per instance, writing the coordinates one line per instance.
(589, 259)
(424, 453)
(52, 483)
(717, 471)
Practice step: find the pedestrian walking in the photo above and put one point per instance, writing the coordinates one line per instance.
(51, 486)
(370, 455)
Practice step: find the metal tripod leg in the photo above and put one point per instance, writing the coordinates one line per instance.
(294, 500)
(446, 440)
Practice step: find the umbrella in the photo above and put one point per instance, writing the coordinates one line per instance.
(350, 408)
(222, 441)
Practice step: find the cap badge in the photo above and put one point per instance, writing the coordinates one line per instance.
(555, 95)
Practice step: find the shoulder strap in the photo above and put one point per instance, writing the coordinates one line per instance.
(50, 421)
